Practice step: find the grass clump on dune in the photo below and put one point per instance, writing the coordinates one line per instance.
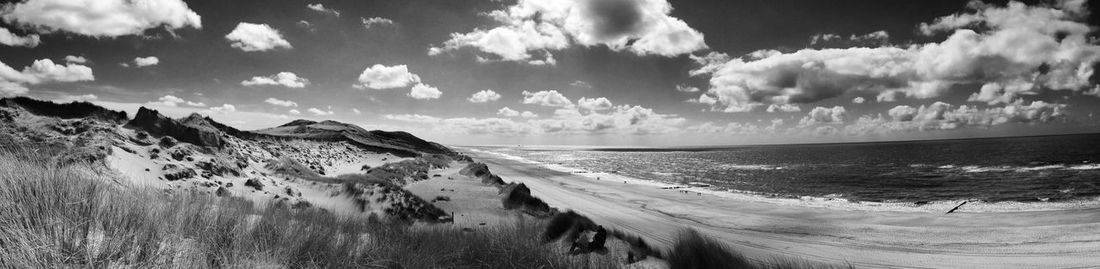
(692, 250)
(70, 216)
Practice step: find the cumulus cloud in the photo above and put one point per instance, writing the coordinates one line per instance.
(484, 96)
(14, 82)
(321, 8)
(146, 61)
(507, 112)
(75, 59)
(820, 38)
(424, 91)
(11, 39)
(278, 102)
(256, 37)
(294, 112)
(224, 108)
(528, 30)
(621, 119)
(858, 100)
(943, 116)
(876, 37)
(1009, 48)
(594, 104)
(318, 112)
(173, 101)
(819, 114)
(551, 98)
(375, 21)
(101, 18)
(387, 77)
(285, 79)
(783, 108)
(735, 128)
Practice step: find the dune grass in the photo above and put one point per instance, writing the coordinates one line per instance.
(69, 216)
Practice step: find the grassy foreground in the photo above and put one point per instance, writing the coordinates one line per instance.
(76, 216)
(71, 217)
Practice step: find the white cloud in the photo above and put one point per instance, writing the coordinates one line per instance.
(256, 37)
(580, 84)
(877, 37)
(14, 82)
(416, 118)
(356, 111)
(530, 29)
(594, 104)
(484, 96)
(684, 88)
(225, 108)
(101, 18)
(278, 102)
(620, 119)
(11, 39)
(371, 22)
(318, 112)
(173, 101)
(321, 8)
(783, 108)
(294, 112)
(551, 98)
(819, 38)
(424, 91)
(943, 116)
(858, 100)
(76, 59)
(507, 112)
(285, 79)
(819, 114)
(1017, 46)
(387, 77)
(146, 61)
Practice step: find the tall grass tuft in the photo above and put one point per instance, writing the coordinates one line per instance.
(694, 251)
(71, 216)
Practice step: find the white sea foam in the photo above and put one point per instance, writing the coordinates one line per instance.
(748, 167)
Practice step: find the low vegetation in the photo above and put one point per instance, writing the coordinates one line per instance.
(77, 215)
(71, 216)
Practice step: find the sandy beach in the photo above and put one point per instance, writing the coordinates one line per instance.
(862, 238)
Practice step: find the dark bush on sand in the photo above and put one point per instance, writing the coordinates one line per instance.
(693, 251)
(518, 196)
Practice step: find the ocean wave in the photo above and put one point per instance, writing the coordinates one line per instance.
(748, 167)
(1005, 168)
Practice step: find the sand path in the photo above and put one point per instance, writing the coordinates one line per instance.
(864, 239)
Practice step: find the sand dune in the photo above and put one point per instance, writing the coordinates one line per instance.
(865, 239)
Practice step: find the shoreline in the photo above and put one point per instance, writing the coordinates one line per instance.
(839, 203)
(864, 238)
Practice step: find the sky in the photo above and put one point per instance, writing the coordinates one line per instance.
(644, 73)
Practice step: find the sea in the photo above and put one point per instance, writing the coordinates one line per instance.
(1032, 170)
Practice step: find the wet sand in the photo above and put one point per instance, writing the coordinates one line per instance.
(863, 238)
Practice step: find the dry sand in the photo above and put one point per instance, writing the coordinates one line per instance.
(472, 203)
(862, 238)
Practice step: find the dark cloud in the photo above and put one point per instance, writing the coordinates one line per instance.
(614, 19)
